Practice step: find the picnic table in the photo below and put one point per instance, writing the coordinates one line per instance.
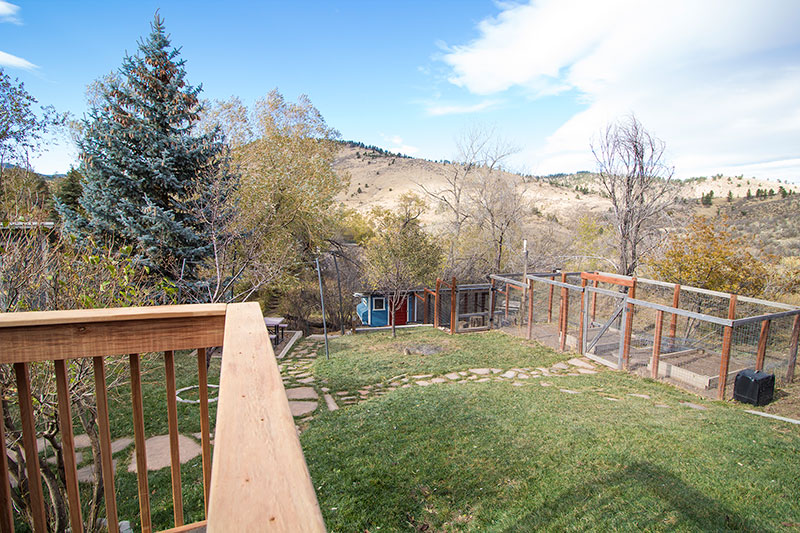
(278, 325)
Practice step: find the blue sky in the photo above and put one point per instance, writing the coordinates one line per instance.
(718, 81)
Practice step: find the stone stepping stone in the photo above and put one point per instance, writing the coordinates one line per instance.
(573, 374)
(423, 383)
(405, 386)
(464, 373)
(300, 408)
(662, 406)
(509, 375)
(463, 381)
(423, 376)
(695, 406)
(560, 366)
(569, 391)
(348, 399)
(302, 393)
(306, 380)
(610, 399)
(496, 370)
(158, 452)
(522, 376)
(645, 396)
(78, 459)
(342, 393)
(482, 380)
(120, 444)
(480, 371)
(453, 376)
(517, 384)
(325, 389)
(586, 371)
(580, 363)
(545, 384)
(438, 380)
(85, 474)
(82, 441)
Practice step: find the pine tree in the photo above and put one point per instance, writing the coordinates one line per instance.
(70, 190)
(144, 167)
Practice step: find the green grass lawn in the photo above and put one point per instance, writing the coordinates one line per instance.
(358, 360)
(493, 457)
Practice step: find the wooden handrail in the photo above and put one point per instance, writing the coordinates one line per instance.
(259, 477)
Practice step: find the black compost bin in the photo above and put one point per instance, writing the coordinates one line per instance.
(754, 387)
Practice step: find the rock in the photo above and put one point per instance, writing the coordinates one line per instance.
(82, 441)
(522, 376)
(545, 384)
(158, 452)
(561, 366)
(694, 406)
(306, 380)
(438, 380)
(480, 371)
(423, 383)
(422, 376)
(464, 373)
(120, 444)
(517, 384)
(586, 371)
(509, 375)
(568, 391)
(645, 396)
(302, 393)
(662, 406)
(581, 363)
(342, 393)
(610, 399)
(300, 408)
(496, 370)
(453, 376)
(482, 380)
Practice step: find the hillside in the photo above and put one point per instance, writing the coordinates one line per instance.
(771, 223)
(379, 179)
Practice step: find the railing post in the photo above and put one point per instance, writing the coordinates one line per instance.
(727, 338)
(595, 284)
(550, 302)
(762, 345)
(508, 295)
(793, 349)
(582, 318)
(564, 312)
(492, 297)
(657, 344)
(453, 307)
(673, 321)
(426, 302)
(629, 328)
(585, 326)
(436, 304)
(530, 308)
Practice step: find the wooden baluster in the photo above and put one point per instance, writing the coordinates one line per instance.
(141, 450)
(595, 283)
(68, 446)
(205, 428)
(101, 394)
(550, 302)
(564, 312)
(582, 317)
(793, 349)
(762, 345)
(530, 308)
(174, 444)
(6, 509)
(31, 453)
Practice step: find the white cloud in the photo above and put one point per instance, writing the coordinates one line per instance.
(454, 109)
(8, 13)
(397, 145)
(8, 60)
(719, 81)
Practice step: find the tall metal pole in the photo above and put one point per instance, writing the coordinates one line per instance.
(322, 302)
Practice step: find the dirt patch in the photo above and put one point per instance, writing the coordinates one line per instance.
(786, 402)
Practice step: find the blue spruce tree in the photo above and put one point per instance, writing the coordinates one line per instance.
(146, 171)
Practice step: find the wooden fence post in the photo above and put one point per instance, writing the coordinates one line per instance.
(508, 295)
(657, 344)
(673, 321)
(762, 345)
(727, 338)
(793, 349)
(530, 308)
(626, 350)
(595, 284)
(564, 312)
(453, 310)
(492, 297)
(436, 304)
(580, 328)
(550, 302)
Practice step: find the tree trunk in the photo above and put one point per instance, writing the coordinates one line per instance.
(392, 307)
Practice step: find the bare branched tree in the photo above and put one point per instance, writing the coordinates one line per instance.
(639, 183)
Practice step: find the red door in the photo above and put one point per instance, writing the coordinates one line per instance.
(400, 315)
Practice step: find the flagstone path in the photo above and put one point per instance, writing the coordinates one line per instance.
(304, 391)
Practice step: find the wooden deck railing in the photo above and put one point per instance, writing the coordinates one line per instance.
(259, 480)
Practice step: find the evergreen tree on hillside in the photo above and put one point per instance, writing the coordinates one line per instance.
(144, 168)
(70, 190)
